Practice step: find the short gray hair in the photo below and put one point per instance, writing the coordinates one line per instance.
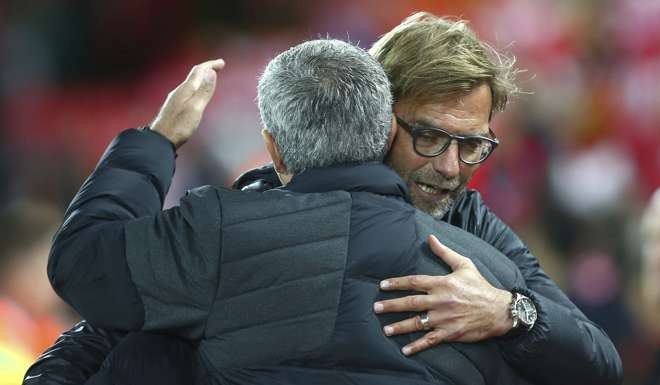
(326, 102)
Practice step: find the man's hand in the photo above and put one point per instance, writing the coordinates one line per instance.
(462, 306)
(182, 111)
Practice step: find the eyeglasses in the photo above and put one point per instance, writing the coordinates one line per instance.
(433, 141)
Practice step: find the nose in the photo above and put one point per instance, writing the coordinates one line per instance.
(448, 163)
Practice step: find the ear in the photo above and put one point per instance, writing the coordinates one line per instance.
(393, 131)
(274, 151)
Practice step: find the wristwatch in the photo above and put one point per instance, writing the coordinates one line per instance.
(523, 311)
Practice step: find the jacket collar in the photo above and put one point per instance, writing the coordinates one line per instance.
(374, 177)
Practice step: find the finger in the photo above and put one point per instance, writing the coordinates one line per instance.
(429, 340)
(409, 325)
(411, 282)
(216, 64)
(449, 256)
(197, 77)
(203, 95)
(410, 303)
(200, 98)
(200, 73)
(192, 82)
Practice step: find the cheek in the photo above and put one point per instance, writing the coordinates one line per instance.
(404, 161)
(466, 172)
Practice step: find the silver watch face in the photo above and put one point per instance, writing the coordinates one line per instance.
(526, 311)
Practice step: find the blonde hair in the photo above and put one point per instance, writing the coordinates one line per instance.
(429, 58)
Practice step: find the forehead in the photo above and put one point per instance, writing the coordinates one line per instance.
(468, 114)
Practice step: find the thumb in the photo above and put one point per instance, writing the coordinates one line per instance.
(447, 255)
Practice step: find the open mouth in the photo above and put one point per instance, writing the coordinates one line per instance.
(429, 189)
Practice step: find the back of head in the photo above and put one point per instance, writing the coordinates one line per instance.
(326, 102)
(431, 59)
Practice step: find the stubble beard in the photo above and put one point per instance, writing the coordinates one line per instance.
(436, 207)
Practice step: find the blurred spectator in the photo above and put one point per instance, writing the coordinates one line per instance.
(31, 314)
(650, 232)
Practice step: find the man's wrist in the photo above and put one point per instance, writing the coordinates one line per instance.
(176, 143)
(503, 318)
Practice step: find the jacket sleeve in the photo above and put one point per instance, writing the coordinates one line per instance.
(76, 355)
(124, 264)
(564, 347)
(148, 358)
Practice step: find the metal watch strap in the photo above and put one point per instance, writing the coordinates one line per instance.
(512, 309)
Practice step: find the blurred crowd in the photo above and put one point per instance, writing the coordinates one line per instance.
(579, 160)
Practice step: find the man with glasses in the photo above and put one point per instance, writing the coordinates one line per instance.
(431, 142)
(446, 85)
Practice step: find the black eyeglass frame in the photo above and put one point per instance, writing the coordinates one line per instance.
(417, 131)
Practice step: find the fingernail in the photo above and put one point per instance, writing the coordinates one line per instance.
(406, 350)
(388, 330)
(384, 284)
(378, 307)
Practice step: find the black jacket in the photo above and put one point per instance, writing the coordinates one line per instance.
(563, 337)
(276, 287)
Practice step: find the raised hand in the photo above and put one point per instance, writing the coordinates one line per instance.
(182, 111)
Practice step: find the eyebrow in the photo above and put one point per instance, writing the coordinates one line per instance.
(421, 123)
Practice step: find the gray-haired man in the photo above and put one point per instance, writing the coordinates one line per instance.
(275, 287)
